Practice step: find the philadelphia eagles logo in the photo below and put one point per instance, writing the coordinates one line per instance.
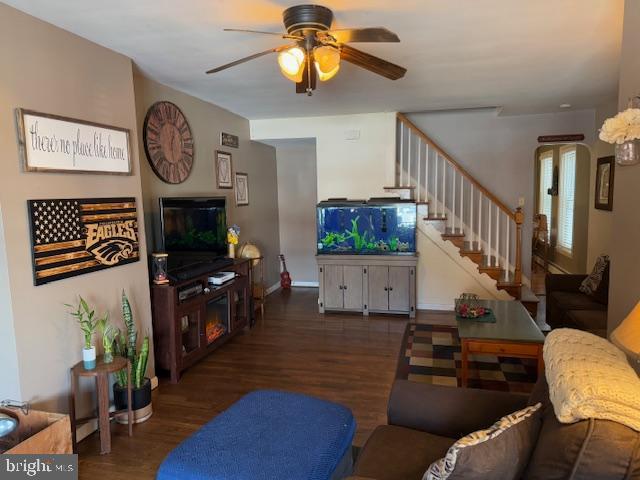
(112, 242)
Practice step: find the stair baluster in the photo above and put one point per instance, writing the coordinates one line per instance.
(468, 216)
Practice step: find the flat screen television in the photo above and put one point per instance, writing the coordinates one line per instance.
(194, 227)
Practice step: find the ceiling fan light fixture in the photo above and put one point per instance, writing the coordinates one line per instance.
(291, 63)
(327, 62)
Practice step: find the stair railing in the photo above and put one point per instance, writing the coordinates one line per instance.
(454, 196)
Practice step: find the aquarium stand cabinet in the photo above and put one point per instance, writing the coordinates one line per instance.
(191, 318)
(368, 283)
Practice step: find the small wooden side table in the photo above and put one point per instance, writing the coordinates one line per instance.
(101, 374)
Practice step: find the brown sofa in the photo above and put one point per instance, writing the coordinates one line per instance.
(425, 420)
(568, 307)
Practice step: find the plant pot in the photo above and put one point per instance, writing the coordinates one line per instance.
(141, 402)
(89, 358)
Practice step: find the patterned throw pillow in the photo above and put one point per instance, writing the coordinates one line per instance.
(501, 451)
(590, 284)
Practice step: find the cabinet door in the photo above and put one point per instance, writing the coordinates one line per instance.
(378, 282)
(352, 287)
(333, 296)
(399, 281)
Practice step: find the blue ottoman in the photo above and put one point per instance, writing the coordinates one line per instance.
(268, 435)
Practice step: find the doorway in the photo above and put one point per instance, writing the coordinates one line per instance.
(561, 209)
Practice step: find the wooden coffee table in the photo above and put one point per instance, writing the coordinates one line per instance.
(514, 334)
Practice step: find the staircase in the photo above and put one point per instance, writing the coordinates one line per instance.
(464, 212)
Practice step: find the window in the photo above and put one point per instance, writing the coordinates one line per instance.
(566, 199)
(546, 181)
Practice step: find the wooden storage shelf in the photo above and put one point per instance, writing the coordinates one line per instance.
(177, 348)
(368, 283)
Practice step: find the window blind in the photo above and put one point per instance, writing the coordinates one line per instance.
(546, 180)
(566, 197)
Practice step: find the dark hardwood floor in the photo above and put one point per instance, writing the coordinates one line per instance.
(347, 359)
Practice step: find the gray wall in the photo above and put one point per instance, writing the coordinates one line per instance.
(259, 220)
(625, 260)
(600, 221)
(9, 370)
(577, 262)
(50, 70)
(499, 150)
(297, 197)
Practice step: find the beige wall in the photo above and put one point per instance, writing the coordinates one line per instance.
(50, 70)
(577, 262)
(297, 198)
(346, 166)
(259, 220)
(600, 221)
(625, 260)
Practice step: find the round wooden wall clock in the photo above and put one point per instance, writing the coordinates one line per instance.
(168, 142)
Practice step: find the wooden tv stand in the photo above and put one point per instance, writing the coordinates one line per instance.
(184, 331)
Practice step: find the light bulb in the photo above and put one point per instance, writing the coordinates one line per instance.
(327, 62)
(292, 63)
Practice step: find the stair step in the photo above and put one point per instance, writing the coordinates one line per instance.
(472, 247)
(400, 188)
(422, 203)
(453, 232)
(434, 218)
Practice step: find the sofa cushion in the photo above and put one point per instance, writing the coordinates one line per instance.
(594, 321)
(575, 301)
(585, 450)
(590, 284)
(398, 453)
(482, 454)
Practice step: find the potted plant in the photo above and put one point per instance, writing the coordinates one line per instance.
(108, 333)
(126, 346)
(88, 323)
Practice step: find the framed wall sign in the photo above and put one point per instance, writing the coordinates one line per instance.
(51, 143)
(229, 140)
(242, 189)
(224, 172)
(604, 183)
(71, 237)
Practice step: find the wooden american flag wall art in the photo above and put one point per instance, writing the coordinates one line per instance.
(72, 237)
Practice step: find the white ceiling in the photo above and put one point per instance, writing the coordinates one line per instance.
(527, 56)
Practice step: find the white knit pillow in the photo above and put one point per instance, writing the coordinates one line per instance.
(589, 377)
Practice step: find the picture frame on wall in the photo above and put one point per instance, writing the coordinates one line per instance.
(57, 144)
(229, 140)
(605, 171)
(242, 189)
(224, 170)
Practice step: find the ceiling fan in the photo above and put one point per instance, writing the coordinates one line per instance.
(309, 26)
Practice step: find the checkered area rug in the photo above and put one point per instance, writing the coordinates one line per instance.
(431, 354)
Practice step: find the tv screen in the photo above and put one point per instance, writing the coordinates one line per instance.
(194, 225)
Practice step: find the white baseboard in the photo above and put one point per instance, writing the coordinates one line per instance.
(273, 288)
(86, 429)
(447, 307)
(305, 284)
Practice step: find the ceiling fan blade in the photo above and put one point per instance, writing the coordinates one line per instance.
(374, 34)
(250, 57)
(371, 63)
(282, 35)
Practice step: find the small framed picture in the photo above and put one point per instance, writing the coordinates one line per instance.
(229, 140)
(224, 172)
(242, 189)
(604, 183)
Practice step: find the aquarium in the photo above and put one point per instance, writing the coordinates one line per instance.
(376, 227)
